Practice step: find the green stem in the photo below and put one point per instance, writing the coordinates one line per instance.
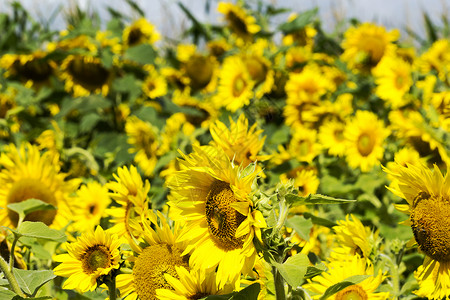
(279, 284)
(10, 277)
(394, 275)
(112, 287)
(11, 254)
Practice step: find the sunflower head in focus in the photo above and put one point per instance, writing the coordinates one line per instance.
(240, 22)
(212, 197)
(364, 46)
(340, 270)
(365, 135)
(139, 32)
(94, 254)
(26, 174)
(427, 194)
(84, 75)
(154, 261)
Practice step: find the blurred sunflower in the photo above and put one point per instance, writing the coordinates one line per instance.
(143, 137)
(155, 257)
(296, 58)
(436, 58)
(201, 113)
(90, 205)
(139, 32)
(303, 37)
(241, 143)
(195, 284)
(212, 197)
(7, 104)
(365, 45)
(84, 75)
(235, 85)
(303, 145)
(155, 84)
(427, 194)
(239, 21)
(305, 180)
(93, 255)
(130, 193)
(331, 137)
(25, 174)
(365, 135)
(339, 271)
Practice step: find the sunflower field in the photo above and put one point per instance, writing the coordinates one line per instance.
(248, 159)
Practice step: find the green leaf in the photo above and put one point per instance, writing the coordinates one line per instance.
(319, 221)
(295, 200)
(142, 54)
(249, 293)
(7, 294)
(300, 22)
(293, 269)
(301, 225)
(28, 206)
(31, 280)
(342, 285)
(89, 121)
(41, 231)
(315, 270)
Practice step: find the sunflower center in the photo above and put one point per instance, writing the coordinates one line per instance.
(134, 37)
(200, 71)
(365, 144)
(95, 257)
(150, 267)
(36, 70)
(222, 219)
(353, 292)
(257, 69)
(89, 74)
(237, 24)
(198, 296)
(430, 222)
(29, 188)
(239, 85)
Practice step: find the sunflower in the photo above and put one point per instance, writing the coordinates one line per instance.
(195, 284)
(239, 21)
(92, 199)
(365, 135)
(427, 194)
(203, 112)
(156, 256)
(130, 193)
(304, 146)
(84, 75)
(393, 79)
(436, 58)
(297, 57)
(93, 255)
(303, 37)
(7, 104)
(305, 180)
(141, 31)
(331, 137)
(339, 271)
(143, 136)
(154, 85)
(364, 46)
(212, 196)
(241, 143)
(25, 174)
(235, 85)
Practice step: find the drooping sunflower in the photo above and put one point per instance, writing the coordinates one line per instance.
(130, 192)
(364, 46)
(26, 174)
(93, 255)
(84, 75)
(365, 135)
(239, 21)
(241, 143)
(156, 256)
(427, 194)
(90, 205)
(212, 197)
(139, 32)
(339, 270)
(235, 85)
(195, 284)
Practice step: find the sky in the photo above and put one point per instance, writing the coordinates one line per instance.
(169, 19)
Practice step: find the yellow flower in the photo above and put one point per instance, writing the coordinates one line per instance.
(139, 32)
(427, 194)
(303, 37)
(331, 137)
(93, 255)
(365, 45)
(90, 205)
(154, 85)
(305, 180)
(155, 257)
(339, 271)
(25, 174)
(235, 85)
(212, 197)
(393, 79)
(130, 192)
(436, 58)
(241, 143)
(240, 22)
(365, 136)
(84, 75)
(304, 146)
